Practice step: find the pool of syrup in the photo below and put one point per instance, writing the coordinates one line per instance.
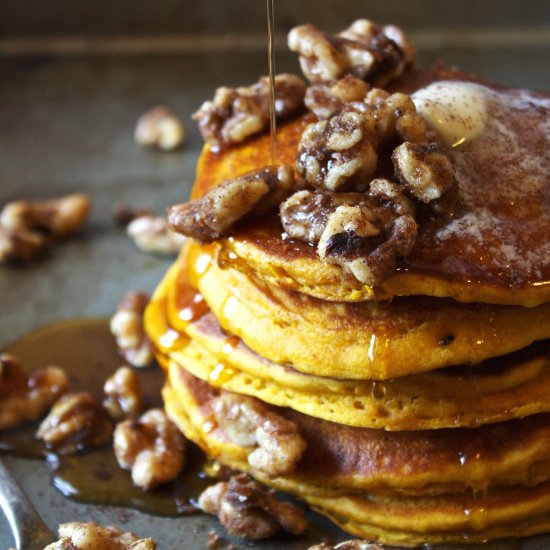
(86, 350)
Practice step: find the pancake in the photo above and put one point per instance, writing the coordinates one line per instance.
(494, 249)
(363, 341)
(400, 488)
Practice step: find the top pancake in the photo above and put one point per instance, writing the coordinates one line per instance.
(494, 249)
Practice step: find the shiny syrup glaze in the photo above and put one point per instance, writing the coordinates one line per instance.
(498, 234)
(87, 352)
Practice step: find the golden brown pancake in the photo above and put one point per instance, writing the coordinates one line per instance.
(494, 249)
(363, 476)
(365, 340)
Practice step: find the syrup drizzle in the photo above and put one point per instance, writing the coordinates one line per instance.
(271, 60)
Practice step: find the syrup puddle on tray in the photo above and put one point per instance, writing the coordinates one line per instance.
(87, 352)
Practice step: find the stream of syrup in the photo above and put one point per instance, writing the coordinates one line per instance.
(271, 59)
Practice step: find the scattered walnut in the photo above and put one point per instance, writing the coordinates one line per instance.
(276, 443)
(91, 536)
(123, 394)
(19, 246)
(236, 114)
(325, 99)
(424, 169)
(250, 510)
(151, 447)
(127, 327)
(58, 218)
(76, 421)
(348, 545)
(160, 128)
(153, 234)
(214, 215)
(370, 52)
(25, 398)
(338, 153)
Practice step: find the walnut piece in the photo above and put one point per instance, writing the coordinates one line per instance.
(75, 422)
(250, 510)
(25, 398)
(215, 214)
(338, 153)
(127, 328)
(78, 535)
(153, 234)
(236, 114)
(348, 545)
(424, 169)
(276, 444)
(374, 53)
(58, 218)
(124, 398)
(160, 128)
(325, 99)
(151, 447)
(19, 246)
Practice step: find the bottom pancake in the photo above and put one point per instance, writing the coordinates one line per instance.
(338, 466)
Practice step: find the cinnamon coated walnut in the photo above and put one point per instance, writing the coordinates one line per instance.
(75, 422)
(78, 535)
(151, 447)
(214, 215)
(160, 128)
(19, 246)
(250, 510)
(325, 99)
(236, 114)
(152, 234)
(276, 444)
(127, 328)
(23, 397)
(124, 398)
(366, 50)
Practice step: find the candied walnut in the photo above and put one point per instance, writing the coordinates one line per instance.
(214, 215)
(338, 153)
(348, 545)
(58, 218)
(350, 239)
(25, 398)
(368, 51)
(19, 246)
(160, 128)
(236, 114)
(124, 398)
(153, 234)
(78, 535)
(75, 422)
(151, 447)
(424, 169)
(127, 328)
(250, 510)
(276, 443)
(325, 99)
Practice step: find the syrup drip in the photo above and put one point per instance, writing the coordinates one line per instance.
(271, 60)
(87, 352)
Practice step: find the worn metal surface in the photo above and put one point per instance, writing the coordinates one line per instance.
(66, 125)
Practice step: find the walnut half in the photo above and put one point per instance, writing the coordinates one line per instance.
(276, 444)
(25, 398)
(123, 395)
(250, 510)
(79, 535)
(151, 447)
(75, 422)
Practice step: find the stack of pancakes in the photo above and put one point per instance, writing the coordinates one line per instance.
(425, 403)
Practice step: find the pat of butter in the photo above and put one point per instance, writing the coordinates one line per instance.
(456, 111)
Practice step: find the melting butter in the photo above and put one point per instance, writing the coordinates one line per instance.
(456, 111)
